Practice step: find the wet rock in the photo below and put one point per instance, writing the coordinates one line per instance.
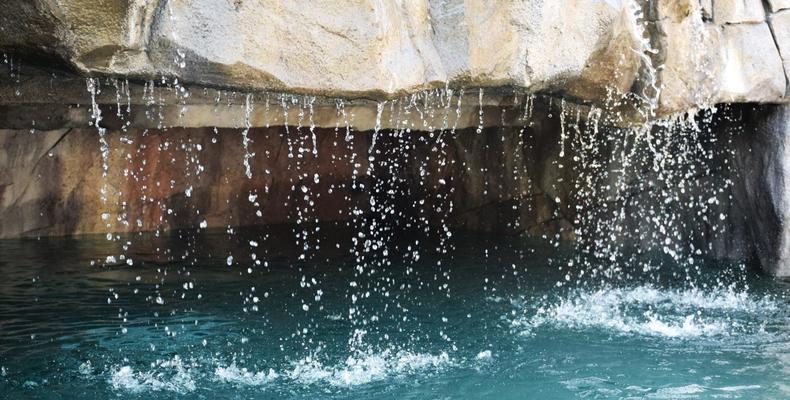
(707, 9)
(691, 68)
(780, 26)
(588, 50)
(502, 168)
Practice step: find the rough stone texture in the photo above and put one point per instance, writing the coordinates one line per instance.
(585, 49)
(40, 106)
(753, 69)
(764, 164)
(786, 65)
(738, 11)
(777, 5)
(722, 63)
(501, 180)
(52, 180)
(515, 180)
(356, 48)
(780, 26)
(707, 9)
(690, 77)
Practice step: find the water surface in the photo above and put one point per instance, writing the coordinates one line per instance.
(493, 318)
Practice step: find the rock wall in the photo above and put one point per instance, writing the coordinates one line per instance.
(424, 107)
(721, 51)
(762, 192)
(563, 173)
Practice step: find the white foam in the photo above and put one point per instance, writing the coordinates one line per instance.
(86, 368)
(739, 388)
(365, 368)
(649, 311)
(680, 392)
(168, 375)
(484, 355)
(241, 376)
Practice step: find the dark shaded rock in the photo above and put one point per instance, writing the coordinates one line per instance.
(763, 188)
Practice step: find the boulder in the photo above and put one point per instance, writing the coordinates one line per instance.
(359, 48)
(588, 50)
(752, 69)
(707, 9)
(691, 68)
(738, 11)
(777, 5)
(780, 26)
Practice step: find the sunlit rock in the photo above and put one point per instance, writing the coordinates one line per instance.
(350, 48)
(780, 27)
(738, 11)
(691, 68)
(777, 5)
(752, 68)
(367, 88)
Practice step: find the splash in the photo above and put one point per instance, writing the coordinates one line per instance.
(166, 375)
(365, 368)
(650, 311)
(244, 377)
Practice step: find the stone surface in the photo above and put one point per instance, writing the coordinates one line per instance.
(39, 107)
(722, 64)
(738, 11)
(356, 48)
(764, 162)
(691, 68)
(786, 65)
(777, 5)
(780, 26)
(522, 179)
(707, 9)
(589, 50)
(515, 176)
(752, 68)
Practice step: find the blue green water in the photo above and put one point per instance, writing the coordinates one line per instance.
(486, 320)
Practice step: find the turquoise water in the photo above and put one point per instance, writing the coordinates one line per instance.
(493, 318)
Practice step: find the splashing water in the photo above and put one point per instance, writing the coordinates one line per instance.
(647, 310)
(373, 283)
(513, 332)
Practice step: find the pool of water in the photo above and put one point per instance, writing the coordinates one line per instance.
(492, 318)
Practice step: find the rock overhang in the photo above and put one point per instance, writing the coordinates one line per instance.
(697, 53)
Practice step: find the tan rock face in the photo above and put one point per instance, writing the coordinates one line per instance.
(586, 49)
(780, 27)
(753, 69)
(738, 11)
(691, 68)
(777, 5)
(520, 179)
(351, 48)
(734, 59)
